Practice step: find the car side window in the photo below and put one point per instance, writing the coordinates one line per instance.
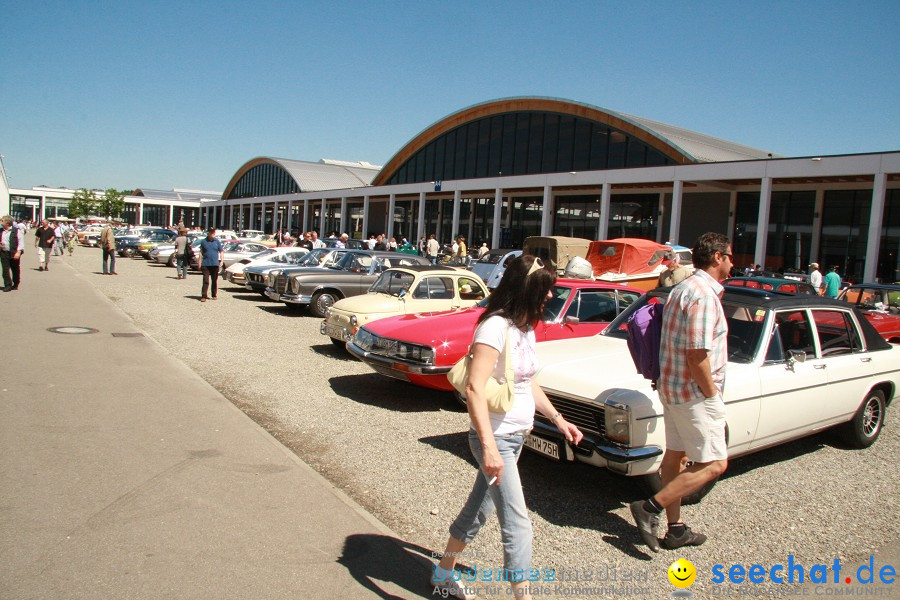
(794, 333)
(435, 288)
(556, 303)
(837, 333)
(469, 289)
(593, 306)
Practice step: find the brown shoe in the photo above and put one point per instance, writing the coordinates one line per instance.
(202, 299)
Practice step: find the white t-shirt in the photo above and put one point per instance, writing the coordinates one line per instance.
(493, 332)
(815, 279)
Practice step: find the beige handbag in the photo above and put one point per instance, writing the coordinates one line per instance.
(500, 396)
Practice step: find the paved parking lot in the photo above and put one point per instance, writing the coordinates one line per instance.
(401, 451)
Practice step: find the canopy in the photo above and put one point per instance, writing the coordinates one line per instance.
(627, 255)
(556, 248)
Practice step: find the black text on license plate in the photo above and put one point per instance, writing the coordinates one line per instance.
(542, 446)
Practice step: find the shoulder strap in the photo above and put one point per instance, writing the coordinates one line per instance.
(508, 370)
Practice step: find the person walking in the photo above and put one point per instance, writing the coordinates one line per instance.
(483, 250)
(692, 358)
(831, 283)
(43, 241)
(211, 260)
(432, 248)
(815, 277)
(12, 245)
(108, 243)
(183, 254)
(71, 240)
(496, 438)
(59, 234)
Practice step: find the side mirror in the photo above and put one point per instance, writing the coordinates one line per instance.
(794, 357)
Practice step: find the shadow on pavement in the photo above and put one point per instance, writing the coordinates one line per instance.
(372, 558)
(380, 391)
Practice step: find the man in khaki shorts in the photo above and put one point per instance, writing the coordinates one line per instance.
(692, 357)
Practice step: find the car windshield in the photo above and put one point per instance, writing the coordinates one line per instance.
(352, 261)
(745, 326)
(263, 253)
(234, 247)
(393, 283)
(315, 257)
(491, 258)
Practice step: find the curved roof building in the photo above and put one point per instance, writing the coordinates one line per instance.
(265, 176)
(526, 136)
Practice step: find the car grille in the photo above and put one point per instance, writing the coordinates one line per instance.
(587, 417)
(281, 283)
(253, 277)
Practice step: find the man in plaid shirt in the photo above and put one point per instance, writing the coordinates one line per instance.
(692, 357)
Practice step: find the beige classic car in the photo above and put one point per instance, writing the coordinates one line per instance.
(403, 290)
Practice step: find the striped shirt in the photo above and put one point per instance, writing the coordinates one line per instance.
(693, 319)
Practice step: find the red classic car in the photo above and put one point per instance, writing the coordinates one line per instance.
(421, 348)
(880, 304)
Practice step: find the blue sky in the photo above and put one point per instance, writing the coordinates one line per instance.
(181, 94)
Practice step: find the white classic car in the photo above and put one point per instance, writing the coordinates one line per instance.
(797, 365)
(403, 290)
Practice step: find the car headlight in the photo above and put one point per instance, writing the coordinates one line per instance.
(616, 420)
(353, 320)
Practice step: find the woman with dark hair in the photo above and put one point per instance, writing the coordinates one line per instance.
(496, 438)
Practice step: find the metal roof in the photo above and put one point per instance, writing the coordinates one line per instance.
(328, 175)
(177, 195)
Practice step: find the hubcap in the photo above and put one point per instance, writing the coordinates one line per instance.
(871, 417)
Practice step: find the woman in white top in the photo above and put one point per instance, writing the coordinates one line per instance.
(496, 439)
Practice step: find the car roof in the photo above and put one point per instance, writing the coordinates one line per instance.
(769, 280)
(876, 286)
(434, 268)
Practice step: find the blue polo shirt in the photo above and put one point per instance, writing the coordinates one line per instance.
(210, 252)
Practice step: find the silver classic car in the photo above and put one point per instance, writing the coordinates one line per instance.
(796, 365)
(351, 275)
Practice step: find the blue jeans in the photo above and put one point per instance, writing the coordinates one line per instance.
(181, 266)
(109, 255)
(506, 497)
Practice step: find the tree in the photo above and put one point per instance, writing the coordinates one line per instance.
(111, 204)
(83, 203)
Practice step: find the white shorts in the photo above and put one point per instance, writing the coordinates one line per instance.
(697, 429)
(41, 254)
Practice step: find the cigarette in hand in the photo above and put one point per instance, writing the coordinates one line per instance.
(493, 480)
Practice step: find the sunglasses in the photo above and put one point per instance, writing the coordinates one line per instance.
(535, 266)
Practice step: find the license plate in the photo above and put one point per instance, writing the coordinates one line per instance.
(333, 331)
(542, 446)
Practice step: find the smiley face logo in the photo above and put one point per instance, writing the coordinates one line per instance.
(682, 573)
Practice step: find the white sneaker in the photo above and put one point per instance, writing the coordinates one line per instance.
(454, 589)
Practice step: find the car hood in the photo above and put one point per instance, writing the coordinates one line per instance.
(372, 302)
(449, 332)
(562, 361)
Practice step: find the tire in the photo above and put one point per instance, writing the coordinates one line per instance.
(171, 261)
(651, 484)
(865, 426)
(127, 252)
(339, 343)
(321, 301)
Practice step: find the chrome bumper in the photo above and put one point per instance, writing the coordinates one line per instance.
(392, 363)
(592, 444)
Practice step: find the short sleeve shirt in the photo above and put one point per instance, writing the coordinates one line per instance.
(497, 332)
(832, 284)
(693, 319)
(210, 252)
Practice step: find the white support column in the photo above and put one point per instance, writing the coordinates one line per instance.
(420, 230)
(290, 216)
(547, 212)
(389, 217)
(675, 213)
(816, 240)
(365, 225)
(603, 221)
(171, 215)
(454, 225)
(323, 220)
(342, 226)
(305, 216)
(732, 215)
(498, 213)
(876, 217)
(762, 221)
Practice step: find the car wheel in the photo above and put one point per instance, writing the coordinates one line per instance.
(339, 343)
(171, 261)
(651, 484)
(128, 252)
(322, 301)
(864, 428)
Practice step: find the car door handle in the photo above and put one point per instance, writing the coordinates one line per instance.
(867, 359)
(820, 366)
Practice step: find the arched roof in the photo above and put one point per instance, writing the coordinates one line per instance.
(312, 176)
(681, 145)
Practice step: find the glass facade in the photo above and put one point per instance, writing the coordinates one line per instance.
(523, 143)
(790, 230)
(845, 227)
(264, 180)
(888, 269)
(743, 238)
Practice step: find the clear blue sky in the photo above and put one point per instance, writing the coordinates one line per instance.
(181, 94)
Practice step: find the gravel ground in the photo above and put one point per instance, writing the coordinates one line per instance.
(401, 452)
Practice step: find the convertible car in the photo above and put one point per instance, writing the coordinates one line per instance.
(797, 365)
(421, 348)
(880, 304)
